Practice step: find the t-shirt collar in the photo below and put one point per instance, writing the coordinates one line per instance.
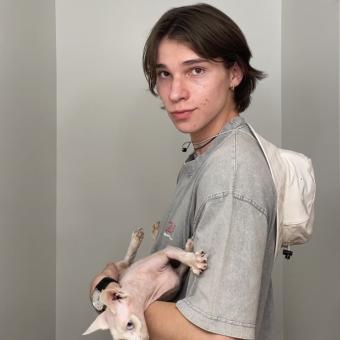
(193, 161)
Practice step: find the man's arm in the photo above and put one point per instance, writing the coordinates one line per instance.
(165, 322)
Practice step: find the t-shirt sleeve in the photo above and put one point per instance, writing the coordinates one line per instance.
(224, 299)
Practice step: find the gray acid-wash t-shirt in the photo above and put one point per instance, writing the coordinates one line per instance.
(225, 199)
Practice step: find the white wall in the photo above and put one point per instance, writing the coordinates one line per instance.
(310, 112)
(27, 170)
(118, 155)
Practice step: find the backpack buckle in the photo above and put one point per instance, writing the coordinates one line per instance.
(287, 253)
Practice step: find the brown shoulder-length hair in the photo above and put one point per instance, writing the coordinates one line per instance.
(212, 35)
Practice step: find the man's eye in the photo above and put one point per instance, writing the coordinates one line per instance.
(163, 74)
(197, 71)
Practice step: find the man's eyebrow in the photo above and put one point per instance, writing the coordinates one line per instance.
(160, 66)
(187, 62)
(195, 61)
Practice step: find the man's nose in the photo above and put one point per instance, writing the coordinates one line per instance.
(179, 90)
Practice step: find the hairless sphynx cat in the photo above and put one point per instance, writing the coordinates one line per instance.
(140, 283)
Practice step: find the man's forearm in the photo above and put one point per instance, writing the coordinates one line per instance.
(165, 322)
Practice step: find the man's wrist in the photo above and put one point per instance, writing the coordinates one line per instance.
(96, 293)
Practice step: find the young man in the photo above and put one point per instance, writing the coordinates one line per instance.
(197, 60)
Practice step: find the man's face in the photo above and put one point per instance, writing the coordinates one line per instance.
(195, 91)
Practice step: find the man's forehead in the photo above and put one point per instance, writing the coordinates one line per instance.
(173, 51)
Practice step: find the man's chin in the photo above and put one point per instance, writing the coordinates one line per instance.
(183, 127)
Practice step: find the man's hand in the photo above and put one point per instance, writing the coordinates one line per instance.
(165, 322)
(109, 271)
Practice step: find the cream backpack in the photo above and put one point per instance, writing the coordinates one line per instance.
(294, 181)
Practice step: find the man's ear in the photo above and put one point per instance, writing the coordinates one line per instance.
(236, 74)
(99, 323)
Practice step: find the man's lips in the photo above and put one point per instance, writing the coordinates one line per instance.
(182, 114)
